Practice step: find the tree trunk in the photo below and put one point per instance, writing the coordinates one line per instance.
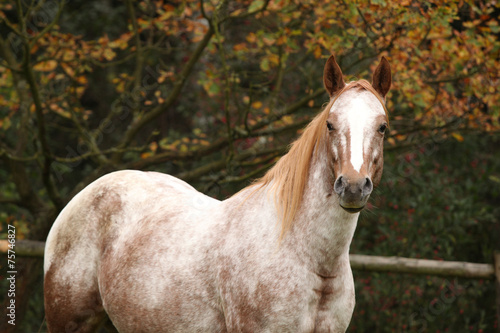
(497, 285)
(28, 275)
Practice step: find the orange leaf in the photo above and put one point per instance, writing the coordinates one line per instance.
(457, 137)
(317, 52)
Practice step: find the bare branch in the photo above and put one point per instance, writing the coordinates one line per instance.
(221, 164)
(10, 201)
(223, 141)
(51, 25)
(140, 122)
(39, 112)
(139, 56)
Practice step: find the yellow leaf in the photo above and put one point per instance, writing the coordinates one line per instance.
(68, 69)
(400, 137)
(45, 66)
(317, 52)
(80, 91)
(5, 123)
(109, 54)
(81, 79)
(69, 55)
(257, 105)
(268, 41)
(251, 38)
(282, 40)
(240, 47)
(287, 120)
(457, 137)
(237, 12)
(274, 59)
(153, 146)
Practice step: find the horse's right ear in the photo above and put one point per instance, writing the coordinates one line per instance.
(332, 77)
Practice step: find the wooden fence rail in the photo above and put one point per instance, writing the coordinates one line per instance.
(422, 266)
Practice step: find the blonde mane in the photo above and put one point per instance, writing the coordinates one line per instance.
(289, 175)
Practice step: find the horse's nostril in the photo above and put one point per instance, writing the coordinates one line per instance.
(368, 187)
(339, 185)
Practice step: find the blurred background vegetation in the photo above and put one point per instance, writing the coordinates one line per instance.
(214, 91)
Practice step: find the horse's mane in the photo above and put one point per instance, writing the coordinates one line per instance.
(289, 175)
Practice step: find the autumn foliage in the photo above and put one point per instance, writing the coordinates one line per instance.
(214, 91)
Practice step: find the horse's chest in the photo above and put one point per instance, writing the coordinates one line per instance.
(288, 302)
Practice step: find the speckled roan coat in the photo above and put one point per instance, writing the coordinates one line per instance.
(152, 254)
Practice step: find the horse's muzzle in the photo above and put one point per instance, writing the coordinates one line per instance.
(353, 192)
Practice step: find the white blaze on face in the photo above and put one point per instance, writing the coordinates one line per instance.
(356, 119)
(357, 116)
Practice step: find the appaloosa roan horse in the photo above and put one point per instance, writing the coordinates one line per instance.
(152, 254)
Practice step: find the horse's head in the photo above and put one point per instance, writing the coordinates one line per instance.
(355, 125)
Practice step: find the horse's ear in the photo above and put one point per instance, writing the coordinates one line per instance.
(332, 77)
(381, 81)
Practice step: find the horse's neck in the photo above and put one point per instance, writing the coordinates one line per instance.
(322, 229)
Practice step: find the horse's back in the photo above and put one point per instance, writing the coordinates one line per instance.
(118, 201)
(118, 229)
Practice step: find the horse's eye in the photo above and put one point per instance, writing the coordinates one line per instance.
(382, 128)
(329, 126)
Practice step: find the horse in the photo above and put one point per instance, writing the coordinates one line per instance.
(148, 253)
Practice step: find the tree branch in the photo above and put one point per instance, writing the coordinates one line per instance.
(221, 164)
(39, 112)
(52, 23)
(15, 161)
(139, 56)
(223, 141)
(139, 122)
(11, 201)
(287, 111)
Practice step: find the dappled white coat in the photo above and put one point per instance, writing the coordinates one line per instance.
(166, 258)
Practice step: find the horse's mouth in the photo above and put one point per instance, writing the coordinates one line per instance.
(353, 210)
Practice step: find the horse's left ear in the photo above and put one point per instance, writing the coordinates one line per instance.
(381, 81)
